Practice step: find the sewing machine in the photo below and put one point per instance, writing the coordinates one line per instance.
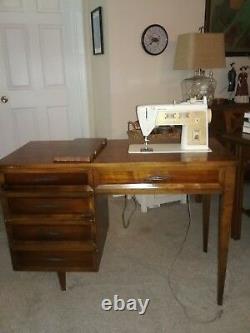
(192, 115)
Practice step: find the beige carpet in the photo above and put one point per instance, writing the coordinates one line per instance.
(143, 261)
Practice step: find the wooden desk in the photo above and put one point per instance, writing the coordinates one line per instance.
(227, 118)
(241, 143)
(31, 172)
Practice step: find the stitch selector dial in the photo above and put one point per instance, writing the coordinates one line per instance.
(154, 39)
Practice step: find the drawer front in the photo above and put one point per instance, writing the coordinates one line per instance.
(36, 178)
(109, 175)
(28, 205)
(52, 233)
(54, 261)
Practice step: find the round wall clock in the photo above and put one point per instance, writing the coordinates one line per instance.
(154, 39)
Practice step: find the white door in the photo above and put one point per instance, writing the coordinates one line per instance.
(42, 72)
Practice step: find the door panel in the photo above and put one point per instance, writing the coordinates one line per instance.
(9, 5)
(25, 119)
(16, 46)
(48, 6)
(58, 115)
(51, 42)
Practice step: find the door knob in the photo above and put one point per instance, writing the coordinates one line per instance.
(4, 99)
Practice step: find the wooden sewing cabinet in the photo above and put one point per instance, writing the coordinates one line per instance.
(54, 198)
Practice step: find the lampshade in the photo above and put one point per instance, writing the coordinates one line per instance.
(200, 50)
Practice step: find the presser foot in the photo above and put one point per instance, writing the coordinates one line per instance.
(146, 148)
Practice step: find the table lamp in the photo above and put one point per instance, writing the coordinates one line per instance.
(200, 51)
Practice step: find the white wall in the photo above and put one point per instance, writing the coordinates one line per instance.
(125, 75)
(98, 73)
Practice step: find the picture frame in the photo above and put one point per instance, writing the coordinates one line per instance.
(97, 32)
(232, 18)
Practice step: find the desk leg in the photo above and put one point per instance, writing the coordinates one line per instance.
(238, 197)
(225, 217)
(206, 200)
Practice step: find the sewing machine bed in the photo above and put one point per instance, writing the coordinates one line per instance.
(160, 148)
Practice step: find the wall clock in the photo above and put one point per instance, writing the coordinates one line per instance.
(154, 39)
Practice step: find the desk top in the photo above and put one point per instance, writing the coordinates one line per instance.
(231, 106)
(42, 153)
(37, 154)
(242, 138)
(116, 151)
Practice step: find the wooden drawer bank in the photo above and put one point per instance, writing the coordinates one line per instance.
(53, 219)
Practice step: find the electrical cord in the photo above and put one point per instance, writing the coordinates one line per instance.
(219, 313)
(126, 222)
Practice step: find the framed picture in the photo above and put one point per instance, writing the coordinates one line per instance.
(232, 17)
(97, 34)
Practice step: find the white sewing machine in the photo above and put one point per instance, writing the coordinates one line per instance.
(194, 117)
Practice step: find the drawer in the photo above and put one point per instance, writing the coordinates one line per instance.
(41, 178)
(55, 260)
(53, 205)
(109, 175)
(52, 233)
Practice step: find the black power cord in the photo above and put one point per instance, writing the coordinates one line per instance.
(126, 223)
(219, 313)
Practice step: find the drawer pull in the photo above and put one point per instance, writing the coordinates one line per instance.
(56, 259)
(158, 178)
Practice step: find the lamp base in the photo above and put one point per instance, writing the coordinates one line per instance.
(199, 86)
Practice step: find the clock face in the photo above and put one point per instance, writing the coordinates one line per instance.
(154, 39)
